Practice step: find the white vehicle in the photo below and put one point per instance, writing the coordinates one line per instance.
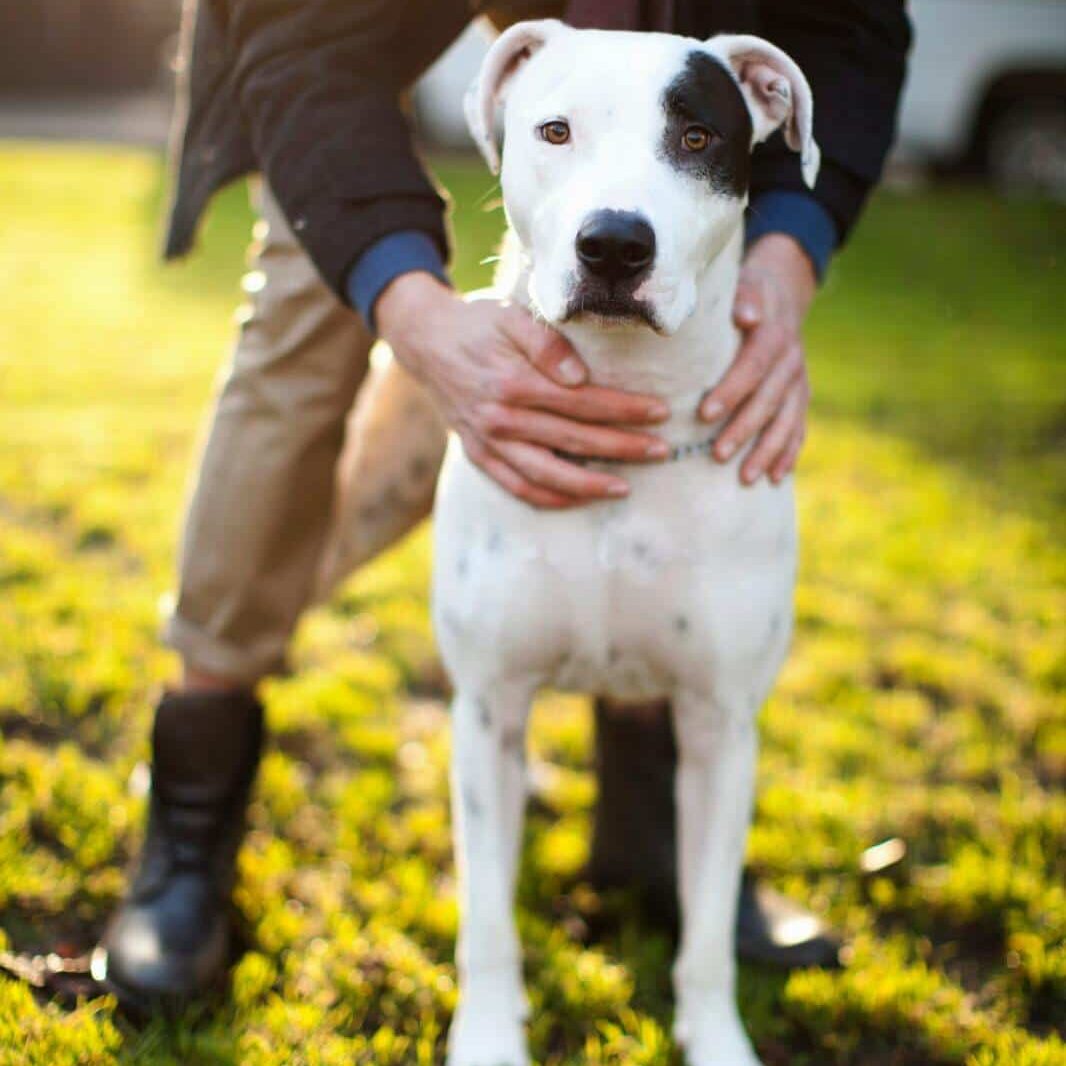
(986, 89)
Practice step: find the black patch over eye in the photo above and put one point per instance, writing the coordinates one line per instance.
(555, 132)
(708, 126)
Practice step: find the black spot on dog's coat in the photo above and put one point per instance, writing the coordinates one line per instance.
(471, 803)
(705, 94)
(513, 743)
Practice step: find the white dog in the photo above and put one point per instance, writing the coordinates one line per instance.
(625, 180)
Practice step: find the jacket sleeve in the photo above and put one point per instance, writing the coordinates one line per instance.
(320, 84)
(854, 53)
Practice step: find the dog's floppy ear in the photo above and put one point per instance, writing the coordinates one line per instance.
(511, 49)
(776, 92)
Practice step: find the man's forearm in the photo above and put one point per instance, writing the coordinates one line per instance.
(797, 215)
(319, 84)
(854, 56)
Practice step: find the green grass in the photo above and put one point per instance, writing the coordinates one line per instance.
(924, 697)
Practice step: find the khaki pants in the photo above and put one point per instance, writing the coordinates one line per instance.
(261, 509)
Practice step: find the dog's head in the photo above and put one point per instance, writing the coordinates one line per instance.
(627, 159)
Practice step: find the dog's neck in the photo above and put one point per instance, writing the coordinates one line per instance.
(678, 368)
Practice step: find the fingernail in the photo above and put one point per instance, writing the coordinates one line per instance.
(657, 450)
(658, 411)
(711, 410)
(747, 311)
(726, 449)
(571, 370)
(619, 488)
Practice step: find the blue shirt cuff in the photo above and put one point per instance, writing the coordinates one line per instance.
(382, 263)
(800, 216)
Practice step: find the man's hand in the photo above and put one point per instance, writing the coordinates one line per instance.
(514, 390)
(766, 391)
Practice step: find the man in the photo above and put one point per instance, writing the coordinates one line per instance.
(308, 93)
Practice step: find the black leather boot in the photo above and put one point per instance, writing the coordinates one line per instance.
(170, 939)
(634, 844)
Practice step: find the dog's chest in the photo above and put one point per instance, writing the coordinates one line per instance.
(632, 616)
(624, 599)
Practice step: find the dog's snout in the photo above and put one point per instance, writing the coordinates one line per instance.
(616, 245)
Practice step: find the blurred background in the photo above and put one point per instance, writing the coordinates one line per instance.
(925, 699)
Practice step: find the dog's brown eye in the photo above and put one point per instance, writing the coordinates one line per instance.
(557, 132)
(696, 138)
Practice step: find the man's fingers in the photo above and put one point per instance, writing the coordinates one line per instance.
(787, 462)
(511, 481)
(546, 350)
(753, 361)
(539, 465)
(567, 435)
(593, 403)
(776, 439)
(748, 304)
(761, 407)
(590, 403)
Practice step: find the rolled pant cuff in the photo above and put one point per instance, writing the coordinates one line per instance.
(207, 655)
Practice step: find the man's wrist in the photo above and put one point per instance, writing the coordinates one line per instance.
(408, 304)
(799, 216)
(782, 256)
(395, 254)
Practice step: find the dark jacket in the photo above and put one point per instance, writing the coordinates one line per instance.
(309, 93)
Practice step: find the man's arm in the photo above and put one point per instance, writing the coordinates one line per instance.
(854, 55)
(319, 84)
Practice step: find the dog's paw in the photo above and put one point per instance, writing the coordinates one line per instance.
(488, 1030)
(712, 1034)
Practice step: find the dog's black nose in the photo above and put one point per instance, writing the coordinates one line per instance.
(615, 245)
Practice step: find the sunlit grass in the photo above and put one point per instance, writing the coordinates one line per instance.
(924, 697)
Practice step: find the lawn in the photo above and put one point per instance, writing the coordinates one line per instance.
(923, 698)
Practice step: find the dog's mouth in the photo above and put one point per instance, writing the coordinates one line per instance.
(609, 307)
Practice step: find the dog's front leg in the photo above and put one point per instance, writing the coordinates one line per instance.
(488, 799)
(717, 748)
